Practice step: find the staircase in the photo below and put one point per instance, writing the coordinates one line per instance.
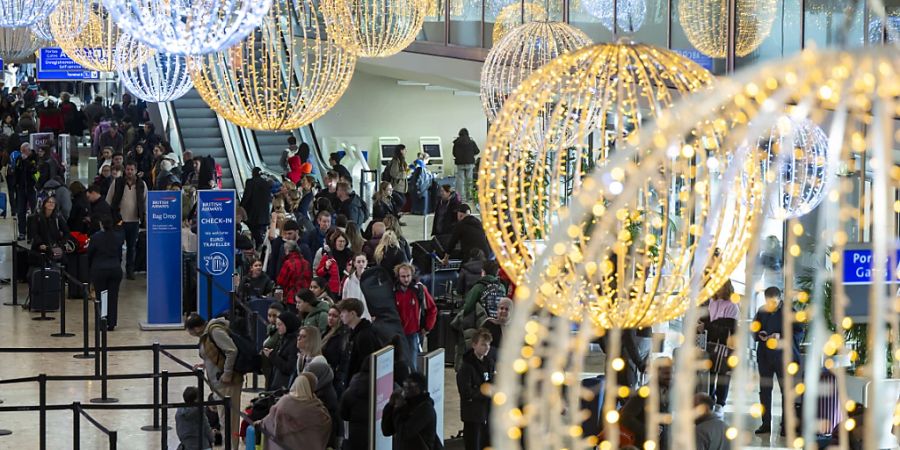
(200, 132)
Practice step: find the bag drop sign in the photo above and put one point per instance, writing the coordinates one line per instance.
(215, 249)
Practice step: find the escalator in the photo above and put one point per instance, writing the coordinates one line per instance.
(270, 144)
(201, 133)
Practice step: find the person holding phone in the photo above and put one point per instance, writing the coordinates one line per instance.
(768, 326)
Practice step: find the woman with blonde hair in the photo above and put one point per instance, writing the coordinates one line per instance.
(388, 253)
(392, 223)
(354, 234)
(383, 202)
(299, 420)
(309, 347)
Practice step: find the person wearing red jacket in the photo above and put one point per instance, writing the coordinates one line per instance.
(335, 260)
(408, 298)
(295, 274)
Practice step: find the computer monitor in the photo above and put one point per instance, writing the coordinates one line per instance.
(433, 150)
(388, 150)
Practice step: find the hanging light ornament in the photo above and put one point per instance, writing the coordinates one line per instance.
(511, 16)
(24, 13)
(521, 52)
(95, 47)
(18, 45)
(569, 117)
(41, 29)
(853, 94)
(795, 158)
(705, 22)
(374, 28)
(282, 77)
(164, 77)
(69, 19)
(630, 14)
(188, 27)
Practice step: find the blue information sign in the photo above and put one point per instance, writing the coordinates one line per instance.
(215, 253)
(54, 64)
(704, 61)
(163, 258)
(858, 266)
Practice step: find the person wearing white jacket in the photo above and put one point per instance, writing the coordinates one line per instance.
(351, 288)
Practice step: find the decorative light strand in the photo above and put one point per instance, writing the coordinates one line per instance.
(521, 52)
(164, 77)
(188, 27)
(511, 17)
(17, 45)
(630, 14)
(24, 13)
(374, 28)
(282, 77)
(705, 22)
(95, 47)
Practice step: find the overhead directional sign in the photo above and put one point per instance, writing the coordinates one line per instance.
(53, 64)
(858, 266)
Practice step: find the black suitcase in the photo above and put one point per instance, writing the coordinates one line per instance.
(443, 336)
(140, 252)
(45, 289)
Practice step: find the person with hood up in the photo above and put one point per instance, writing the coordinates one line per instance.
(299, 420)
(464, 152)
(409, 416)
(284, 358)
(325, 392)
(313, 310)
(191, 434)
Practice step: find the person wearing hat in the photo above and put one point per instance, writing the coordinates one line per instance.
(283, 359)
(290, 232)
(343, 174)
(313, 310)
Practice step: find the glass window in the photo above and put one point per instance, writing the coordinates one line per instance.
(783, 38)
(706, 33)
(824, 21)
(433, 28)
(465, 27)
(649, 26)
(585, 15)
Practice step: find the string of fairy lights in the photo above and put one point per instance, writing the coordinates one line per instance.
(620, 187)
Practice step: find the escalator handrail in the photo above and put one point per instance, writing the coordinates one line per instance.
(177, 124)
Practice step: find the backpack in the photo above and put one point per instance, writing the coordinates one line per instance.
(386, 173)
(247, 360)
(490, 297)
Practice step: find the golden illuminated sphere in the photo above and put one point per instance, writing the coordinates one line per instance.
(567, 119)
(281, 77)
(68, 19)
(435, 8)
(95, 46)
(852, 96)
(521, 52)
(705, 22)
(511, 16)
(374, 28)
(18, 45)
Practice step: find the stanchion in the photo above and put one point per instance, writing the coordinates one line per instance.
(104, 355)
(156, 426)
(96, 337)
(164, 436)
(227, 425)
(254, 329)
(113, 438)
(209, 295)
(76, 426)
(42, 414)
(85, 296)
(14, 282)
(62, 307)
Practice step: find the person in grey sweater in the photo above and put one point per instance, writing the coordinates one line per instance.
(191, 434)
(709, 430)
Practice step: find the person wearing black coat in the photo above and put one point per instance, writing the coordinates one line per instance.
(48, 231)
(363, 340)
(468, 233)
(477, 368)
(409, 416)
(464, 152)
(351, 205)
(99, 209)
(445, 211)
(81, 208)
(256, 201)
(393, 256)
(105, 260)
(335, 160)
(284, 358)
(26, 167)
(353, 412)
(334, 348)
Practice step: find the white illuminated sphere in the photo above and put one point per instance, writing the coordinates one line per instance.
(797, 161)
(24, 13)
(630, 14)
(188, 27)
(18, 45)
(164, 77)
(41, 29)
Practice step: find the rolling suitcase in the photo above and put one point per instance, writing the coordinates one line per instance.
(45, 289)
(140, 252)
(442, 335)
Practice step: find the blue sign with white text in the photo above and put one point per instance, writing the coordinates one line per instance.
(54, 64)
(163, 257)
(858, 266)
(215, 253)
(704, 61)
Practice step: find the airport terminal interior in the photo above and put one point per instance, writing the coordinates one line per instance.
(450, 224)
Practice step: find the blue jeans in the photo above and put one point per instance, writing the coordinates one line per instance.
(412, 341)
(131, 236)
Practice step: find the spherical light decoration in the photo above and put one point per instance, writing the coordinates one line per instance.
(95, 47)
(562, 122)
(188, 27)
(521, 52)
(18, 45)
(41, 29)
(795, 158)
(705, 22)
(630, 14)
(24, 13)
(282, 77)
(511, 17)
(374, 28)
(164, 77)
(853, 96)
(68, 20)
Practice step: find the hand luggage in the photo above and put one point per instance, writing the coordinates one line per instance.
(140, 252)
(45, 289)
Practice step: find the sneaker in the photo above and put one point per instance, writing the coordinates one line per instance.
(719, 411)
(764, 429)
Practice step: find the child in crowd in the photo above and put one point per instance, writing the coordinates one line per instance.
(192, 434)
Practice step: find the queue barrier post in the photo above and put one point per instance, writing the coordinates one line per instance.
(227, 425)
(42, 414)
(14, 282)
(76, 426)
(156, 401)
(62, 305)
(103, 353)
(164, 435)
(113, 438)
(254, 329)
(97, 356)
(85, 322)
